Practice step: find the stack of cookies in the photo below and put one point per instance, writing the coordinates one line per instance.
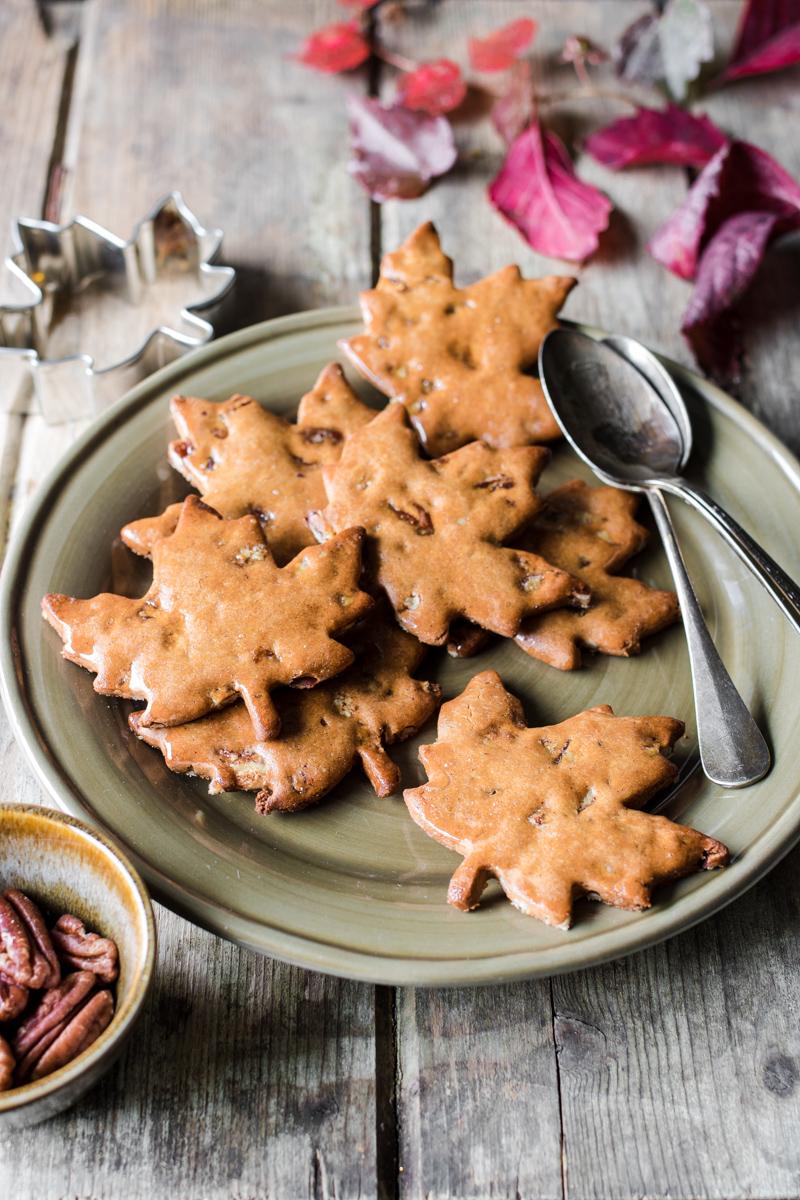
(290, 606)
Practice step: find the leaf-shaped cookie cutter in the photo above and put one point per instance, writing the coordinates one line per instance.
(51, 264)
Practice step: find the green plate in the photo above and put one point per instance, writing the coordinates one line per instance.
(353, 886)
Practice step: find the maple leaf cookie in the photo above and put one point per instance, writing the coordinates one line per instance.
(458, 358)
(324, 732)
(245, 459)
(591, 532)
(551, 813)
(220, 620)
(435, 528)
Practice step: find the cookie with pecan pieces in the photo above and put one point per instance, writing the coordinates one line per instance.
(552, 813)
(459, 359)
(436, 526)
(245, 459)
(221, 620)
(591, 532)
(324, 732)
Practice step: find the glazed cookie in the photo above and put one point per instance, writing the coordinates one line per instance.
(591, 532)
(458, 358)
(324, 732)
(245, 459)
(220, 620)
(551, 812)
(435, 529)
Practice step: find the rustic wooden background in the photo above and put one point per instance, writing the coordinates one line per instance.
(672, 1074)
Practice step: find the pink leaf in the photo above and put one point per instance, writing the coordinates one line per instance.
(726, 270)
(669, 135)
(739, 178)
(338, 47)
(538, 191)
(396, 151)
(435, 87)
(768, 39)
(514, 110)
(499, 50)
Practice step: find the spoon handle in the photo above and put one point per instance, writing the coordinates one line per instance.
(784, 591)
(732, 750)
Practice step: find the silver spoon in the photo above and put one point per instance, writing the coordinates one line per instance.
(617, 417)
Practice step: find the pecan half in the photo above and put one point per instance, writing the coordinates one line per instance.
(55, 1008)
(6, 1066)
(85, 951)
(45, 967)
(12, 999)
(85, 1027)
(15, 949)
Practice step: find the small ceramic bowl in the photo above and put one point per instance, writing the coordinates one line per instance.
(66, 867)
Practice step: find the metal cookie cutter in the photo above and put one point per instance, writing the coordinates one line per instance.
(89, 315)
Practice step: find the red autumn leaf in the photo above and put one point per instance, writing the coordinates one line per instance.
(768, 39)
(338, 47)
(514, 109)
(537, 190)
(435, 87)
(739, 178)
(499, 50)
(396, 152)
(726, 270)
(669, 135)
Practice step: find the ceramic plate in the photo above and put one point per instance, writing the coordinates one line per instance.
(353, 886)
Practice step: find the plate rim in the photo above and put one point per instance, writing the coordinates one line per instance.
(303, 950)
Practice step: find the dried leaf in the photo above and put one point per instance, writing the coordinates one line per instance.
(637, 54)
(739, 178)
(499, 50)
(669, 135)
(537, 190)
(670, 47)
(768, 39)
(514, 110)
(726, 270)
(396, 151)
(687, 41)
(435, 87)
(337, 47)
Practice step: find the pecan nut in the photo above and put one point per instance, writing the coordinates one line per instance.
(77, 1035)
(45, 967)
(85, 951)
(6, 1066)
(15, 949)
(48, 1020)
(12, 999)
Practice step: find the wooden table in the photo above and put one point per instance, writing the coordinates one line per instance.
(675, 1073)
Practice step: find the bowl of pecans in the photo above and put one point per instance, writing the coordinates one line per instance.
(77, 948)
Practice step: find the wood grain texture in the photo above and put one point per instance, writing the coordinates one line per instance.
(478, 1102)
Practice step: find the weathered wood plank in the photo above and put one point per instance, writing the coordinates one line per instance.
(478, 1105)
(248, 1077)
